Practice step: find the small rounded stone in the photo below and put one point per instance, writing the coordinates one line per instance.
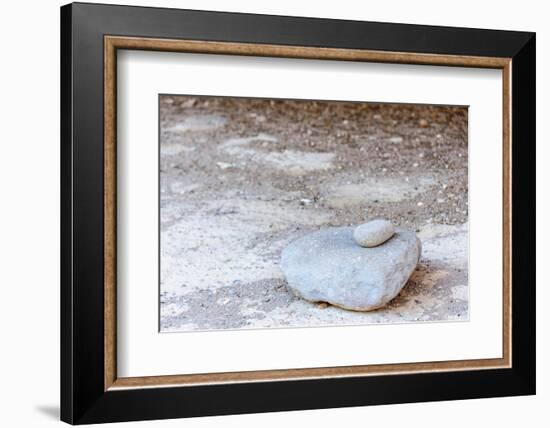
(373, 233)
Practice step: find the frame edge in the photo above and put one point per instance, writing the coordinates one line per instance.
(66, 316)
(523, 129)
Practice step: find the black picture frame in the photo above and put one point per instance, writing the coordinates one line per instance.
(83, 396)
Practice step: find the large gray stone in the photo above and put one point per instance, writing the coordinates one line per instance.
(329, 266)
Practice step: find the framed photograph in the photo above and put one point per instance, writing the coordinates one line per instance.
(266, 213)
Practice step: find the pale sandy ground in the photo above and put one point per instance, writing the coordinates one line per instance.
(241, 178)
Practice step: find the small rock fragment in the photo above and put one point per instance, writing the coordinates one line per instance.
(396, 140)
(189, 103)
(224, 165)
(373, 233)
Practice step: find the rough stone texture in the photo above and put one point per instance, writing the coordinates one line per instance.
(373, 233)
(329, 266)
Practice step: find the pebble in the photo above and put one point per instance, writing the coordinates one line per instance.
(224, 165)
(373, 233)
(189, 103)
(396, 140)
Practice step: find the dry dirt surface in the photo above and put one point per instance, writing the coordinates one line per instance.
(241, 178)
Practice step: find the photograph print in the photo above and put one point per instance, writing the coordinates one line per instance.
(279, 213)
